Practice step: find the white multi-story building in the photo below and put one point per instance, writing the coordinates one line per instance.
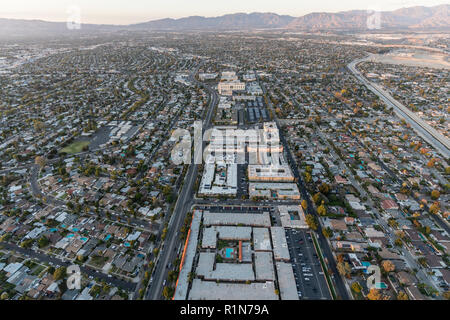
(226, 88)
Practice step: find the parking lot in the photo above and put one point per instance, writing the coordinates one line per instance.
(311, 282)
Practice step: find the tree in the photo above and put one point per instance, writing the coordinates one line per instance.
(168, 292)
(344, 269)
(434, 208)
(172, 276)
(327, 233)
(322, 210)
(311, 222)
(40, 161)
(308, 177)
(388, 266)
(398, 242)
(356, 287)
(402, 296)
(43, 242)
(59, 273)
(374, 294)
(304, 205)
(38, 125)
(324, 188)
(435, 194)
(317, 198)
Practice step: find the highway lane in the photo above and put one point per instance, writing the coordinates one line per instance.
(428, 133)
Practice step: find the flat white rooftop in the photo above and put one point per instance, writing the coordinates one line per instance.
(210, 290)
(264, 268)
(235, 219)
(270, 173)
(292, 217)
(286, 281)
(280, 247)
(223, 271)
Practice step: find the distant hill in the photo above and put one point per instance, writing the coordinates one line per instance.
(413, 18)
(407, 18)
(226, 22)
(15, 28)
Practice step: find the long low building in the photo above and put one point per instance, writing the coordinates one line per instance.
(214, 233)
(292, 217)
(216, 183)
(188, 257)
(280, 247)
(211, 290)
(273, 173)
(227, 87)
(264, 269)
(208, 270)
(261, 239)
(286, 281)
(274, 190)
(236, 219)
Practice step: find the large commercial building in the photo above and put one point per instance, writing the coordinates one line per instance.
(271, 173)
(226, 88)
(292, 217)
(231, 256)
(274, 190)
(219, 180)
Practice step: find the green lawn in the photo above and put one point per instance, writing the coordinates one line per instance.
(75, 147)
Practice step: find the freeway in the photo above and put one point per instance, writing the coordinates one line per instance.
(184, 202)
(429, 134)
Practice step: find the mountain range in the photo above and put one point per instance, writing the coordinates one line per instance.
(412, 18)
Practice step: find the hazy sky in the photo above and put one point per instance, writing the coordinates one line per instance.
(132, 11)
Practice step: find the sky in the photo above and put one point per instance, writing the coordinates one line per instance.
(135, 11)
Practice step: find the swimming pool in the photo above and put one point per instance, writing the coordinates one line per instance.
(381, 285)
(229, 252)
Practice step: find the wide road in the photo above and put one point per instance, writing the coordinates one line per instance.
(183, 205)
(428, 133)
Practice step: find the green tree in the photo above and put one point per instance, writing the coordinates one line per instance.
(356, 287)
(327, 232)
(168, 292)
(322, 210)
(324, 188)
(344, 269)
(59, 273)
(304, 205)
(311, 221)
(402, 296)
